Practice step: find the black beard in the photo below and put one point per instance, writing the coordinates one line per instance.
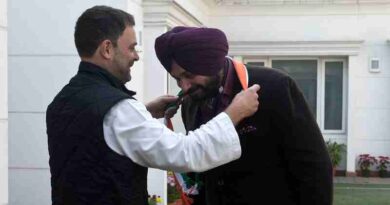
(211, 89)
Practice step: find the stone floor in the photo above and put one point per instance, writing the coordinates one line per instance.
(362, 180)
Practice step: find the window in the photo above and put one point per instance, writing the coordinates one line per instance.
(260, 63)
(323, 83)
(256, 62)
(304, 72)
(333, 95)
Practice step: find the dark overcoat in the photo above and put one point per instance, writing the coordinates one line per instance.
(284, 158)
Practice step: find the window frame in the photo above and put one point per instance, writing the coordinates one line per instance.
(258, 60)
(344, 103)
(320, 104)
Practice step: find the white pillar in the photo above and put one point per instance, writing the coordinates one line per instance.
(155, 84)
(155, 76)
(134, 7)
(353, 64)
(3, 104)
(159, 16)
(155, 80)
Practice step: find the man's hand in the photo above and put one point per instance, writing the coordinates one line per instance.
(244, 104)
(157, 107)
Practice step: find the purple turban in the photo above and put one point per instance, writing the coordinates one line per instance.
(200, 51)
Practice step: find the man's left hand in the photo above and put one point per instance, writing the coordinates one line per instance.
(158, 106)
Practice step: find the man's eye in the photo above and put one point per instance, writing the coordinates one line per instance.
(188, 75)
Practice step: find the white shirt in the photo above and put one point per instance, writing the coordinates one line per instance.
(130, 130)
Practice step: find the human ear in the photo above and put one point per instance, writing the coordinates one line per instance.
(106, 49)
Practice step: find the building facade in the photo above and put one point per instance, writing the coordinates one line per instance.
(337, 50)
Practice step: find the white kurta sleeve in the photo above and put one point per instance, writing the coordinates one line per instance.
(130, 130)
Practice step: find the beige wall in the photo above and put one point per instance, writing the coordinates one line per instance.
(3, 105)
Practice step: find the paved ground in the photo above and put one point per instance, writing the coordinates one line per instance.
(361, 180)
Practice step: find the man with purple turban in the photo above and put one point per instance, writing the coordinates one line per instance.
(282, 140)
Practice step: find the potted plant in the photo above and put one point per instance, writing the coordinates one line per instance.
(365, 162)
(382, 166)
(335, 151)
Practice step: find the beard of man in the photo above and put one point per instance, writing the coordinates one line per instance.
(210, 89)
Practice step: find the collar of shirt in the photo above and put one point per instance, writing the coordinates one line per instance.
(103, 75)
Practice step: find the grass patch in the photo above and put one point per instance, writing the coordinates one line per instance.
(361, 194)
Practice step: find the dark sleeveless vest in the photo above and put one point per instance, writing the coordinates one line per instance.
(84, 170)
(281, 143)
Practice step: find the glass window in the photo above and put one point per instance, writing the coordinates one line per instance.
(256, 63)
(304, 72)
(321, 80)
(333, 95)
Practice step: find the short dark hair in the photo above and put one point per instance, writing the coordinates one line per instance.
(97, 24)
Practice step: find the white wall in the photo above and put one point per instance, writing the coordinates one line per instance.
(42, 58)
(368, 129)
(3, 104)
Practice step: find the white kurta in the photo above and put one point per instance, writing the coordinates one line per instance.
(130, 130)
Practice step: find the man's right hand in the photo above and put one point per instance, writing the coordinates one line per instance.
(244, 104)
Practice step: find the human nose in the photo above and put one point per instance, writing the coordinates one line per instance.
(136, 56)
(184, 84)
